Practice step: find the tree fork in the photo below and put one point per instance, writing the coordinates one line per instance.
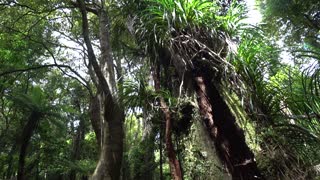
(112, 114)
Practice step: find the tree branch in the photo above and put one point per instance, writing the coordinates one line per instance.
(33, 68)
(308, 116)
(312, 22)
(84, 83)
(89, 9)
(91, 56)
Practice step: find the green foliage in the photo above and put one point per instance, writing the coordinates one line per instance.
(161, 20)
(137, 94)
(231, 21)
(296, 21)
(277, 96)
(35, 101)
(183, 119)
(278, 104)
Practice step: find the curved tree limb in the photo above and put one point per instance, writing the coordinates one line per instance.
(91, 56)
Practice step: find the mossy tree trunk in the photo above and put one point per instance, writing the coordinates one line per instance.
(221, 124)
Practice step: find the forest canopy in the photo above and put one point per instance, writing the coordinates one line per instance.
(159, 89)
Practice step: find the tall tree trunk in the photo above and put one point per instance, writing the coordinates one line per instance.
(10, 160)
(221, 124)
(161, 156)
(146, 165)
(109, 164)
(179, 156)
(78, 140)
(111, 113)
(173, 161)
(228, 137)
(95, 117)
(27, 132)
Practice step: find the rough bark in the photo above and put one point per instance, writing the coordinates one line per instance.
(173, 161)
(227, 135)
(109, 164)
(28, 130)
